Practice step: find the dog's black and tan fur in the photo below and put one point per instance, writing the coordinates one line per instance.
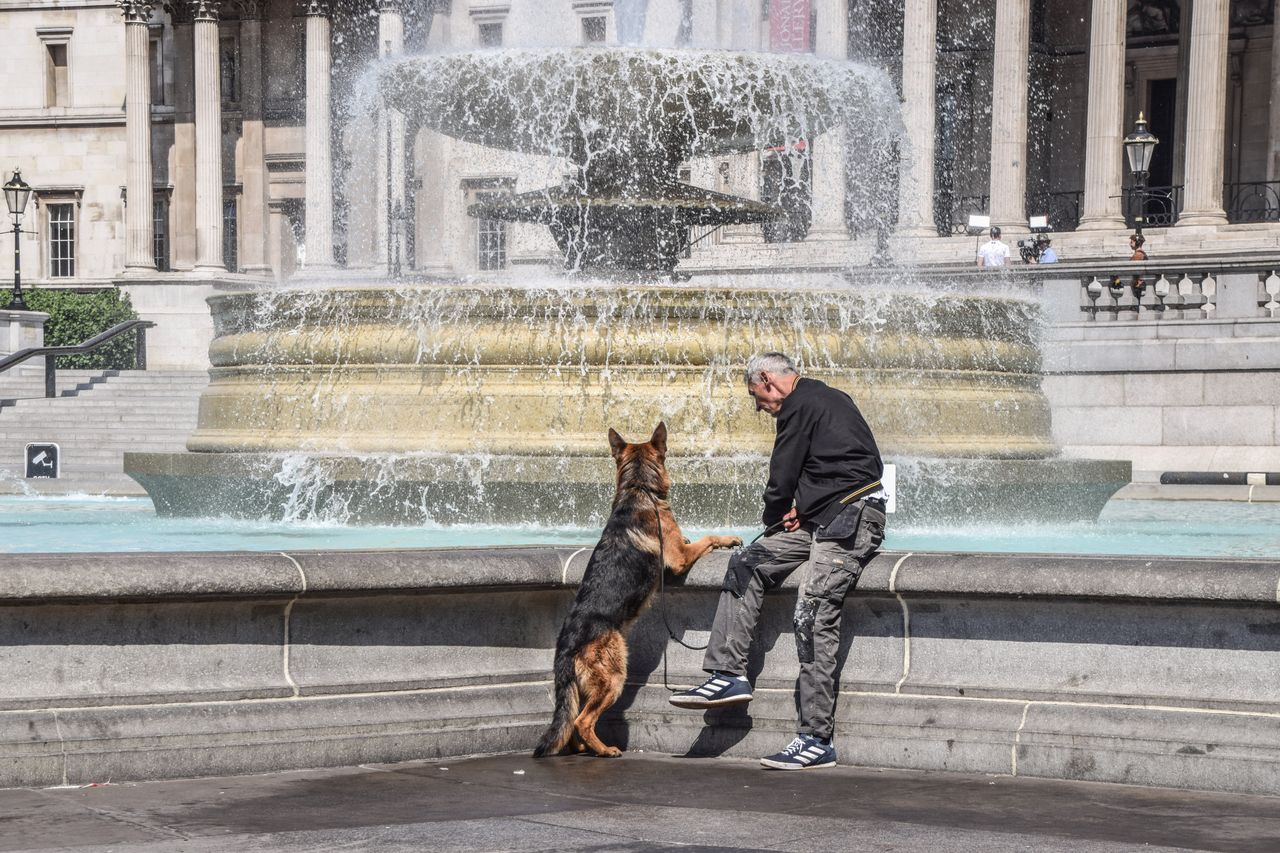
(621, 576)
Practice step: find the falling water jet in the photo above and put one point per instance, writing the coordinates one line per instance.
(462, 400)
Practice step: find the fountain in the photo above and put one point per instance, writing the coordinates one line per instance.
(477, 401)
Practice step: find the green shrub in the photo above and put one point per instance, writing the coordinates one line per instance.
(76, 317)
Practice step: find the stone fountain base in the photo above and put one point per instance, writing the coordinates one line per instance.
(409, 489)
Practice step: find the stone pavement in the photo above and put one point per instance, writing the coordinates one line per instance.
(638, 802)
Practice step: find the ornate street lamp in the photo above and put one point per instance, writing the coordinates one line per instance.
(1139, 146)
(16, 193)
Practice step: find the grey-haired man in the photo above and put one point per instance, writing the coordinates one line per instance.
(824, 493)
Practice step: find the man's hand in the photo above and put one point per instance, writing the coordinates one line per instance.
(791, 521)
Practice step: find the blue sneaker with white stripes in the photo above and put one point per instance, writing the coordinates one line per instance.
(720, 689)
(806, 752)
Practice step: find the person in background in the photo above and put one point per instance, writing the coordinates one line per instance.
(1135, 243)
(1046, 253)
(993, 253)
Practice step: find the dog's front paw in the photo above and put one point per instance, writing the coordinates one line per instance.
(728, 541)
(610, 752)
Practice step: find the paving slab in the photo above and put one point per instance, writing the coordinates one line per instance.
(638, 802)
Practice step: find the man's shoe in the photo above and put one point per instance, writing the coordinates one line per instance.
(806, 752)
(719, 690)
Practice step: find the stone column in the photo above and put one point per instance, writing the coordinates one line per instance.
(827, 164)
(319, 168)
(253, 167)
(208, 137)
(182, 158)
(1009, 77)
(1206, 115)
(390, 154)
(919, 80)
(1104, 122)
(139, 253)
(1273, 128)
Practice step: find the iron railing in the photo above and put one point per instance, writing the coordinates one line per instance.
(961, 209)
(51, 353)
(1243, 201)
(1252, 201)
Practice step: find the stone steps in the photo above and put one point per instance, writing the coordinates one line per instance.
(96, 418)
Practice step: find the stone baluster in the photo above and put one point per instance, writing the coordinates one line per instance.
(319, 168)
(1209, 293)
(1206, 115)
(1161, 290)
(390, 156)
(827, 164)
(139, 255)
(208, 136)
(253, 167)
(1090, 293)
(1009, 82)
(1104, 122)
(1188, 301)
(1271, 291)
(919, 79)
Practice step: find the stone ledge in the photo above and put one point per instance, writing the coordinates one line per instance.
(40, 578)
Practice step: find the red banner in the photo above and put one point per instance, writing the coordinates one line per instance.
(789, 26)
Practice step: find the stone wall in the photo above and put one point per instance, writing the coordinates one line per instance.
(1185, 382)
(139, 666)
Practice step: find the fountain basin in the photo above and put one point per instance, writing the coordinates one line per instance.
(493, 403)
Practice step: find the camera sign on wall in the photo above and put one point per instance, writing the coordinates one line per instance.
(43, 461)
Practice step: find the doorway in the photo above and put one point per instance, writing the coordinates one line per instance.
(1162, 107)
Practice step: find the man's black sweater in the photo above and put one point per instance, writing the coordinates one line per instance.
(823, 451)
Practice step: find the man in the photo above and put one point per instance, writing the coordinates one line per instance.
(825, 500)
(993, 253)
(1047, 254)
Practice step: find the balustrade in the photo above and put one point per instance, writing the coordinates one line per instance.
(1143, 295)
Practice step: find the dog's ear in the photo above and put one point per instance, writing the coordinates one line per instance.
(616, 443)
(659, 438)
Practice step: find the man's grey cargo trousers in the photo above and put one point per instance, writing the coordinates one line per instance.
(830, 569)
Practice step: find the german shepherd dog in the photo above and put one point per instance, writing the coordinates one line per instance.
(639, 540)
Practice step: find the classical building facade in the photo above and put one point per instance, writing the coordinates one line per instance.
(175, 148)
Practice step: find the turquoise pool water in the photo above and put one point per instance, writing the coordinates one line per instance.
(88, 524)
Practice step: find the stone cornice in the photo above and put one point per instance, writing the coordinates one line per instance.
(135, 11)
(390, 5)
(316, 8)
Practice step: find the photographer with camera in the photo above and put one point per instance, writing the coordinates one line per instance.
(1037, 251)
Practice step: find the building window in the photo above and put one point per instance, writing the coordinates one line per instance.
(56, 93)
(491, 35)
(62, 240)
(593, 30)
(229, 69)
(156, 57)
(160, 232)
(230, 233)
(491, 243)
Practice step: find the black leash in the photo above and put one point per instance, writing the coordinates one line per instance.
(662, 604)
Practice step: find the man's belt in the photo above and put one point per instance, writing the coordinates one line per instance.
(857, 493)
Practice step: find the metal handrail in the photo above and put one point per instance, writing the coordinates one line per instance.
(50, 363)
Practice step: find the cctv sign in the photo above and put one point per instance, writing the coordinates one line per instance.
(42, 461)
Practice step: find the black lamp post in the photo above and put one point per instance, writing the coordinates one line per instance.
(16, 193)
(1139, 146)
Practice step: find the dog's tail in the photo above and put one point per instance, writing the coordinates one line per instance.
(566, 685)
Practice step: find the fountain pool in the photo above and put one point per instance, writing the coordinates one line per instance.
(83, 524)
